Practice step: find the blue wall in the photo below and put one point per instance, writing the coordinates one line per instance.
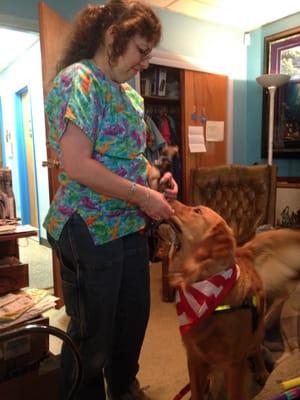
(255, 63)
(239, 140)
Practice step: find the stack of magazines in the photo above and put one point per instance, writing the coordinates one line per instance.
(24, 305)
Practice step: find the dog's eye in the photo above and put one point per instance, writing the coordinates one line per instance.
(198, 211)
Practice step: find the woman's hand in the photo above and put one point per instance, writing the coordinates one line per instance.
(155, 203)
(168, 186)
(156, 206)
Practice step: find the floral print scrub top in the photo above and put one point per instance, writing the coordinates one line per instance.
(112, 117)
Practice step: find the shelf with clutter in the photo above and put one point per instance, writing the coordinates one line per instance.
(177, 100)
(13, 273)
(22, 357)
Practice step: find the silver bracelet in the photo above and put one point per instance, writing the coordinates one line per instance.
(132, 191)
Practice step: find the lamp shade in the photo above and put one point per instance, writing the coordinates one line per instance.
(272, 80)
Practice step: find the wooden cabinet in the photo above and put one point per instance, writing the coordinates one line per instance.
(205, 95)
(189, 98)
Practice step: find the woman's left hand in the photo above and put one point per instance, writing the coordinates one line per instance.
(168, 186)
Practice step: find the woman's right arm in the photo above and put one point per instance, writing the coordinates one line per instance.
(76, 153)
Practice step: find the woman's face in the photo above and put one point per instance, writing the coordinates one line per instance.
(136, 58)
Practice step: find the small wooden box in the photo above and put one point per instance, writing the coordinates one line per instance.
(22, 352)
(13, 275)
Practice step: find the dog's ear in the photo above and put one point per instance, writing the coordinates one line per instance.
(219, 242)
(215, 252)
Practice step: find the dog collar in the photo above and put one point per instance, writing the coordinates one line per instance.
(201, 298)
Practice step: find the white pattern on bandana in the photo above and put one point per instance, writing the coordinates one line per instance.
(200, 299)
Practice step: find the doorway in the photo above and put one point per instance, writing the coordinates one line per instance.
(24, 143)
(26, 158)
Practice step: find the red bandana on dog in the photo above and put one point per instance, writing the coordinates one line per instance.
(200, 299)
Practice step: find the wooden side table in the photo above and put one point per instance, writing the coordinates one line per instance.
(13, 273)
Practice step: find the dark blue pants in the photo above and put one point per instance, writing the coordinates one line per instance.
(107, 296)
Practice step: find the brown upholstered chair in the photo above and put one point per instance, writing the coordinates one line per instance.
(243, 195)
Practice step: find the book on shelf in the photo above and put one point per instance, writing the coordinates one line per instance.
(161, 82)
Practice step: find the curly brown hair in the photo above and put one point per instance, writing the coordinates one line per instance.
(126, 19)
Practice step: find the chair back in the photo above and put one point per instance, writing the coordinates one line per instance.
(243, 195)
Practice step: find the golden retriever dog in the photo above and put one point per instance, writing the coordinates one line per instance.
(224, 293)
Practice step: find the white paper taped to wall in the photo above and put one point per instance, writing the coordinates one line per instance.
(196, 139)
(214, 131)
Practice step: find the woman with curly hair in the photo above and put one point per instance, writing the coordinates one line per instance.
(97, 219)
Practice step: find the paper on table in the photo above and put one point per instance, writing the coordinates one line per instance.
(214, 131)
(196, 139)
(7, 228)
(42, 301)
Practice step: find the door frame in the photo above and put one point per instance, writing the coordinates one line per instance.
(21, 157)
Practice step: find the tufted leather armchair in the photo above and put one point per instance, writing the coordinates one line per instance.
(243, 195)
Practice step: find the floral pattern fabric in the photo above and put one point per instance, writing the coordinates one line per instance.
(112, 118)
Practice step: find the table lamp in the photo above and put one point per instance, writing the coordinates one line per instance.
(272, 82)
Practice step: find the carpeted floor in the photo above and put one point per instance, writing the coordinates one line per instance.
(163, 371)
(39, 260)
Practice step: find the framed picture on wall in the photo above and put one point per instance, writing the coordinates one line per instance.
(282, 55)
(288, 202)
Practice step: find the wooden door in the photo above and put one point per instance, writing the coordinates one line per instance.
(204, 94)
(53, 31)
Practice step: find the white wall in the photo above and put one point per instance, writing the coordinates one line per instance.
(211, 47)
(26, 71)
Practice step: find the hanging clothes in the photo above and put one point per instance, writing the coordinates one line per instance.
(162, 131)
(155, 141)
(165, 130)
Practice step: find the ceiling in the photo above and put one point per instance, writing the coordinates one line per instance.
(241, 14)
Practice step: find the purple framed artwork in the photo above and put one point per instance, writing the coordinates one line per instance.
(282, 55)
